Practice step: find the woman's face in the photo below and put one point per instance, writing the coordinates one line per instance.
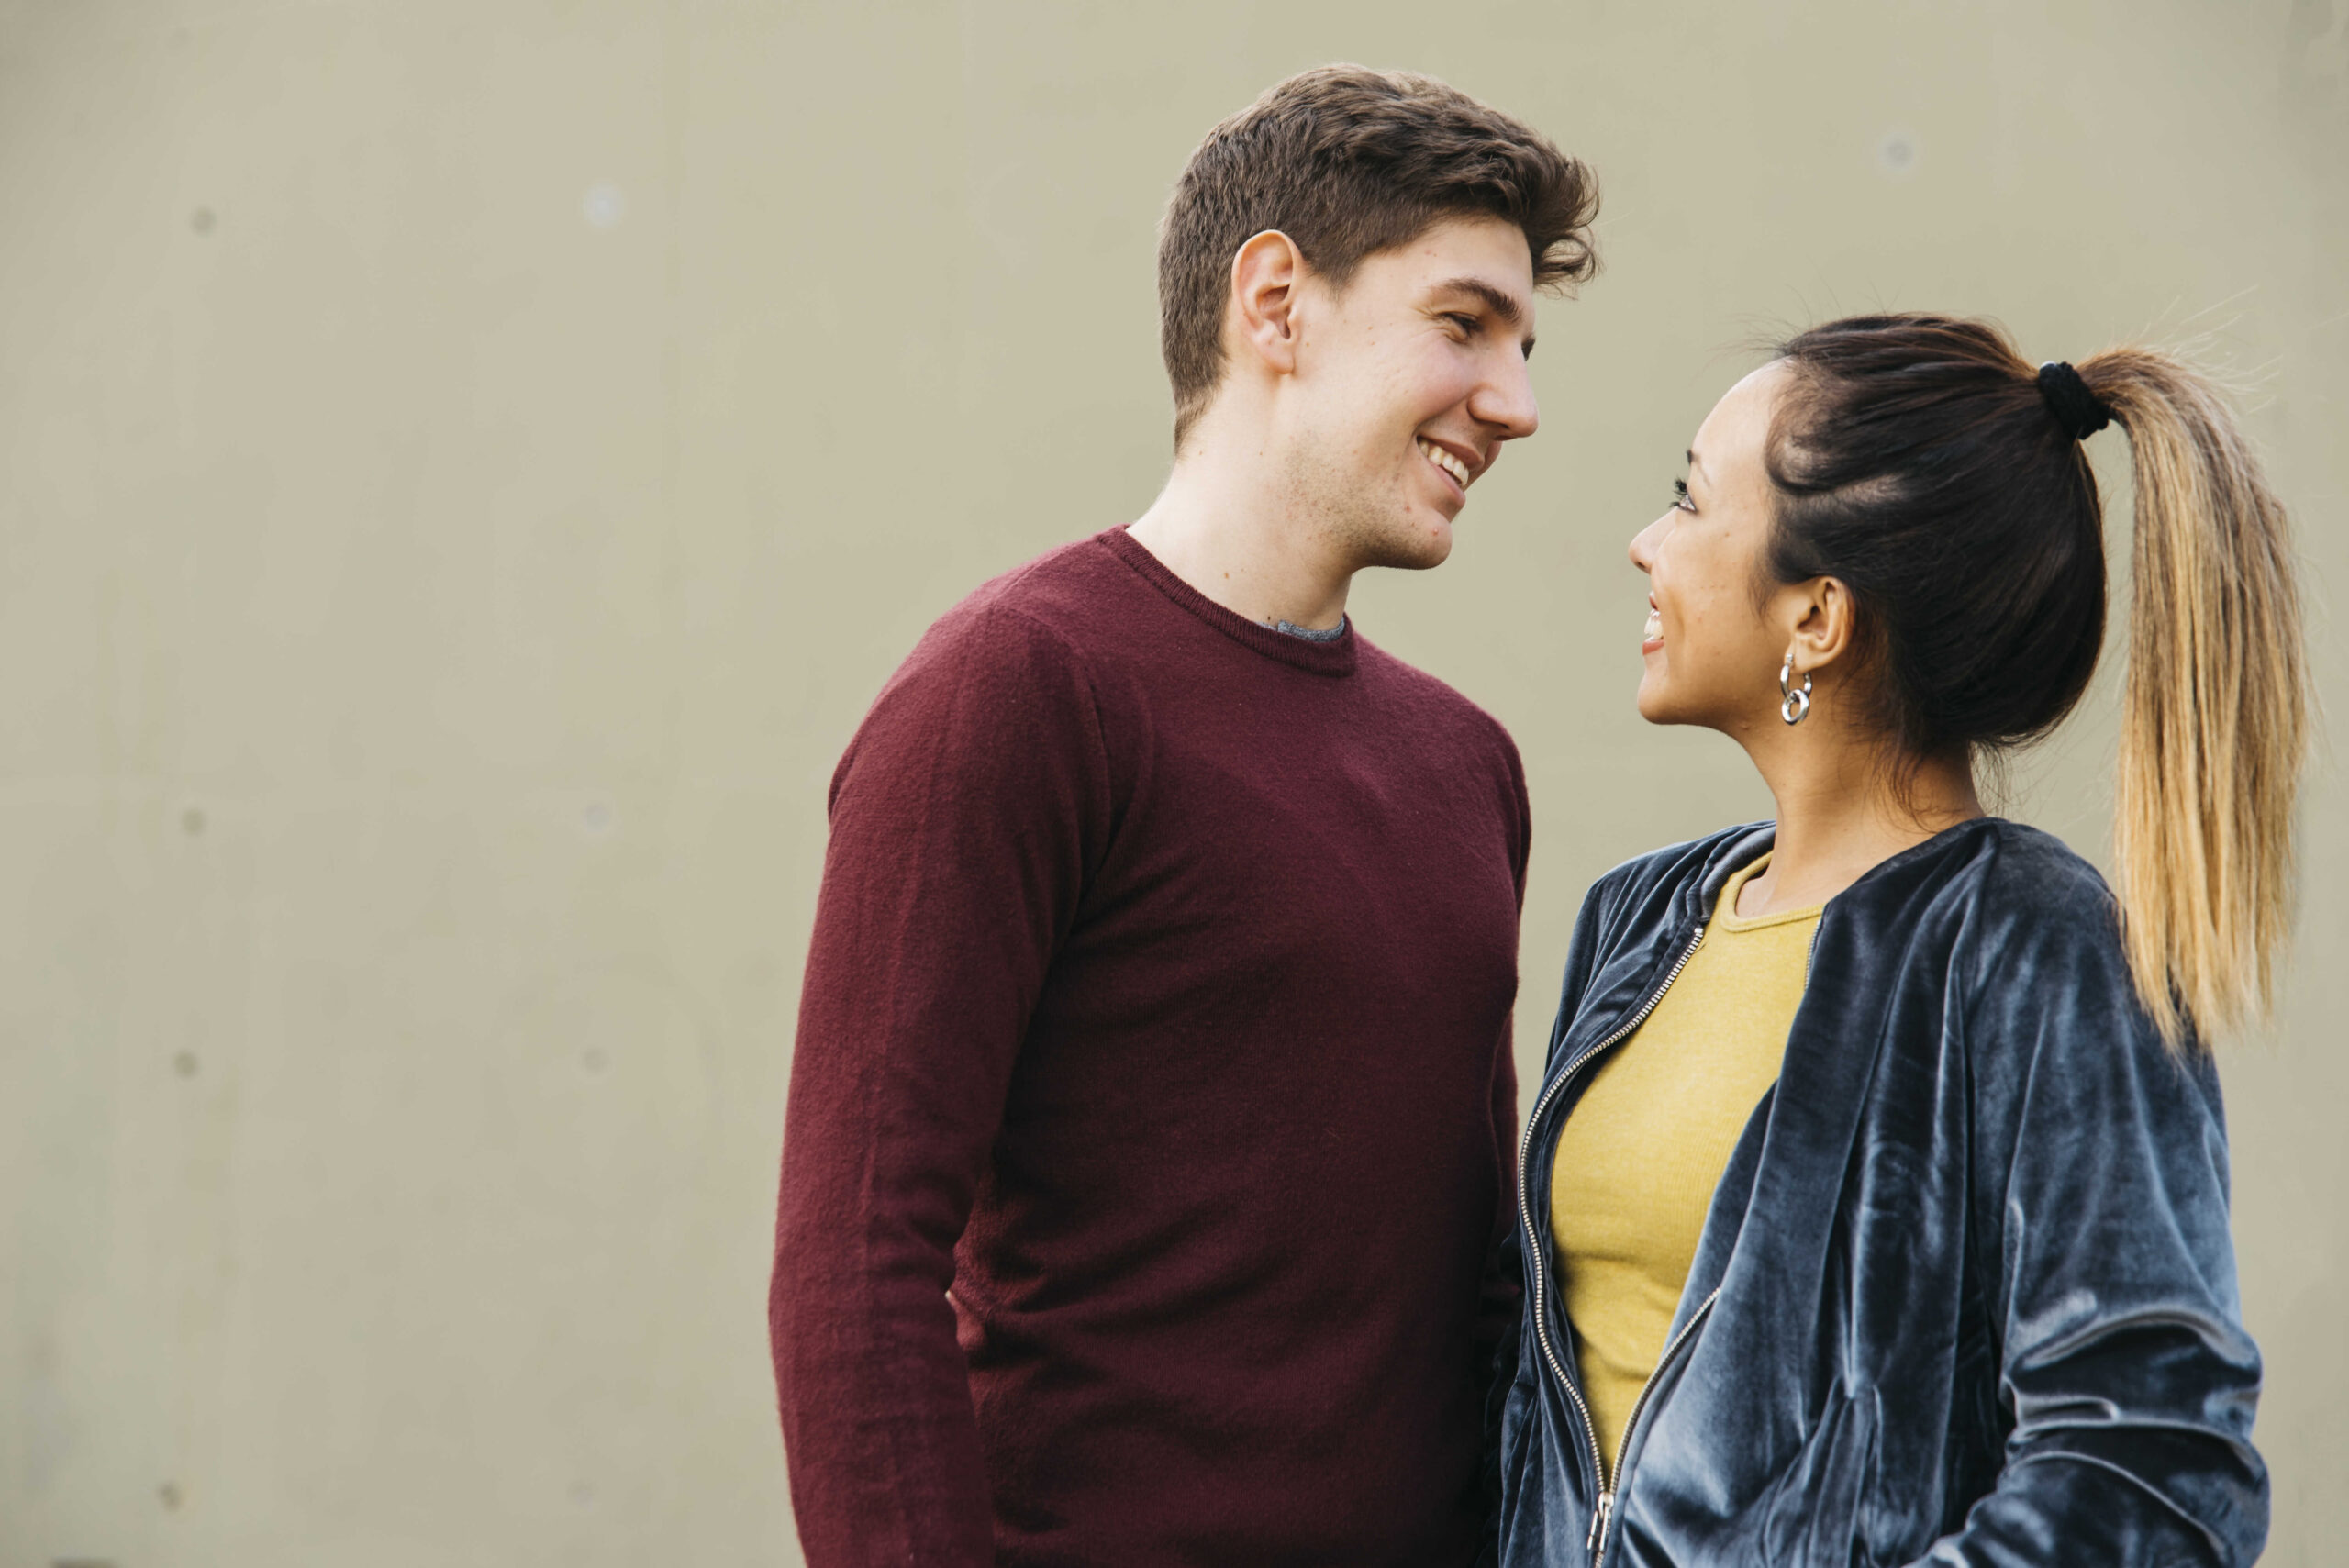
(1712, 652)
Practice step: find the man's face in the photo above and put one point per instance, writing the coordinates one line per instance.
(1408, 380)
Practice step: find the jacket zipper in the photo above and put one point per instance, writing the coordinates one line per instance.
(1602, 1519)
(1596, 1540)
(1538, 1264)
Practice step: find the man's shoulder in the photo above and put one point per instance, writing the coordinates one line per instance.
(1053, 608)
(1012, 658)
(1069, 589)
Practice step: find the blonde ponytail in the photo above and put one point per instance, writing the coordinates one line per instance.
(2215, 719)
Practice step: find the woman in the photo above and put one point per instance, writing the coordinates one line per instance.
(1873, 1206)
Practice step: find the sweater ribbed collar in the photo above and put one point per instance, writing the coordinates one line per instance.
(1335, 657)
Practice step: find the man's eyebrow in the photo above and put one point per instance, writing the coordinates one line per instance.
(1499, 301)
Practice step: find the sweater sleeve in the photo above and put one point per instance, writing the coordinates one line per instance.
(1500, 1307)
(963, 818)
(2102, 1209)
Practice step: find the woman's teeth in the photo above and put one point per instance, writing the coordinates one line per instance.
(1446, 461)
(1654, 631)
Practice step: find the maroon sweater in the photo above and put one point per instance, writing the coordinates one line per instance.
(1151, 1124)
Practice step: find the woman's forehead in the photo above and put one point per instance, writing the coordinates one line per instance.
(1740, 419)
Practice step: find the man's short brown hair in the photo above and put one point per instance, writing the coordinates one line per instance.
(1347, 162)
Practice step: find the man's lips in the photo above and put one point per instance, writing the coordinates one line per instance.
(1459, 464)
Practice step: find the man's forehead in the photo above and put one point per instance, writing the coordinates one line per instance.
(1483, 255)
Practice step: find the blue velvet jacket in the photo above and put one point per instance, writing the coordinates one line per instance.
(1965, 1294)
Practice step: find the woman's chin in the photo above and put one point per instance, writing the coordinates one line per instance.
(1657, 706)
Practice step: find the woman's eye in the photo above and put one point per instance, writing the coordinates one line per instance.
(1680, 496)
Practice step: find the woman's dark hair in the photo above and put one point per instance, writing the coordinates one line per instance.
(1918, 462)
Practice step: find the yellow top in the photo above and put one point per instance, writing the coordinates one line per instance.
(1640, 1156)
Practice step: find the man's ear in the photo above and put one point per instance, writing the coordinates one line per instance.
(1825, 624)
(1266, 273)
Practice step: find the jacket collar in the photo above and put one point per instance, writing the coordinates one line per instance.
(1732, 851)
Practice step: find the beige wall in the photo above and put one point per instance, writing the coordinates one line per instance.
(464, 467)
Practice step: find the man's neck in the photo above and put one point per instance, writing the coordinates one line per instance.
(1227, 530)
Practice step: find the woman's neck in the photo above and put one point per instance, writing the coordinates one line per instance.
(1843, 810)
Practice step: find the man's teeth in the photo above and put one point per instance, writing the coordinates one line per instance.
(1446, 461)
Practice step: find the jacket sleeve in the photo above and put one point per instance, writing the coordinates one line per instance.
(2100, 1175)
(964, 817)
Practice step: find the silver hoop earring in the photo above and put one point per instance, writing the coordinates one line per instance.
(1794, 702)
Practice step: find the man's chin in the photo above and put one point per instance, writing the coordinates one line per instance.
(1416, 546)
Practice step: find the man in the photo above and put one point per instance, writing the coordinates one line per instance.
(1151, 1122)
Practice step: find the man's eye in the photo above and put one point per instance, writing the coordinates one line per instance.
(1468, 324)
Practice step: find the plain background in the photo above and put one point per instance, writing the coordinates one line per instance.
(465, 466)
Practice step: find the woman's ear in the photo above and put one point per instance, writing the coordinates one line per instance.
(1825, 623)
(1266, 273)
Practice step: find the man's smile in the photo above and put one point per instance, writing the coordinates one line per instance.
(1460, 470)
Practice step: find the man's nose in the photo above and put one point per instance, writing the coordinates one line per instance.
(1505, 400)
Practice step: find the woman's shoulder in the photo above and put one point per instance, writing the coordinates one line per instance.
(2030, 931)
(1976, 897)
(2036, 858)
(2005, 872)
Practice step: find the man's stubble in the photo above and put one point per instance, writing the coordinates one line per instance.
(1364, 524)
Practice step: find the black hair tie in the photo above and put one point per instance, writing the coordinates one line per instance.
(2080, 411)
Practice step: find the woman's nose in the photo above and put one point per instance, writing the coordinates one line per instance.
(1643, 548)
